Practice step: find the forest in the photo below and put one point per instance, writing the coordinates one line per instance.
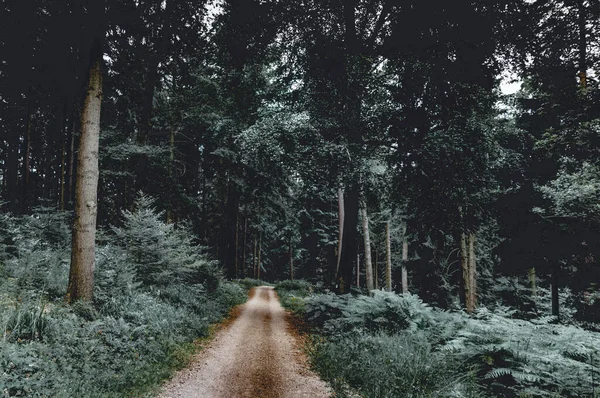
(419, 180)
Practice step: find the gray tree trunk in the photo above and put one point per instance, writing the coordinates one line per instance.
(404, 259)
(341, 231)
(367, 242)
(81, 275)
(388, 262)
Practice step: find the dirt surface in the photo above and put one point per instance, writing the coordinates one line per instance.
(255, 357)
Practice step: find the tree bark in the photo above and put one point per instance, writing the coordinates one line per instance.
(532, 281)
(259, 250)
(291, 261)
(388, 259)
(81, 275)
(350, 239)
(367, 243)
(472, 271)
(358, 270)
(341, 227)
(555, 278)
(582, 42)
(464, 263)
(237, 241)
(404, 260)
(254, 273)
(244, 247)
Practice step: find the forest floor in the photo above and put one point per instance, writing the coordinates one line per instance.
(256, 356)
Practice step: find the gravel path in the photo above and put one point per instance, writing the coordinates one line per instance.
(255, 357)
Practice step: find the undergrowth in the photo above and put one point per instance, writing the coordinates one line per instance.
(393, 345)
(155, 294)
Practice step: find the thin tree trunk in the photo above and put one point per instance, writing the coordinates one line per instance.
(341, 227)
(532, 281)
(291, 260)
(464, 263)
(555, 277)
(63, 167)
(244, 248)
(376, 269)
(81, 276)
(259, 250)
(237, 242)
(404, 260)
(26, 159)
(171, 161)
(581, 21)
(472, 272)
(350, 238)
(388, 258)
(254, 273)
(367, 243)
(358, 270)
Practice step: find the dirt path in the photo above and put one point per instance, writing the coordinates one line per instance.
(255, 357)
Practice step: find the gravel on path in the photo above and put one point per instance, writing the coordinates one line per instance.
(255, 357)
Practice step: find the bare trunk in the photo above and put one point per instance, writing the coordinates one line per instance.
(171, 160)
(291, 260)
(244, 247)
(581, 21)
(71, 164)
(555, 301)
(376, 268)
(341, 228)
(367, 243)
(237, 242)
(532, 281)
(259, 250)
(464, 263)
(26, 161)
(472, 272)
(81, 276)
(357, 270)
(388, 258)
(350, 239)
(404, 260)
(254, 273)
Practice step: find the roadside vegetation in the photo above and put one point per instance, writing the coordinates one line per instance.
(156, 293)
(394, 345)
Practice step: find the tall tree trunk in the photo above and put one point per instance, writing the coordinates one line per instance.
(367, 243)
(26, 196)
(259, 250)
(532, 281)
(555, 278)
(237, 241)
(376, 268)
(171, 161)
(254, 273)
(63, 167)
(388, 258)
(472, 271)
(291, 260)
(404, 260)
(357, 270)
(464, 263)
(244, 247)
(349, 240)
(81, 276)
(582, 42)
(12, 170)
(341, 227)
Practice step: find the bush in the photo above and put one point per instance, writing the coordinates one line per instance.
(135, 332)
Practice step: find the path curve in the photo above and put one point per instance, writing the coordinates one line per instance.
(255, 357)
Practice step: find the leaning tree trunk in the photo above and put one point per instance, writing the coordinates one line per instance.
(81, 276)
(388, 260)
(367, 243)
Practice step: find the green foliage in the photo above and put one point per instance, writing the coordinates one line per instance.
(135, 332)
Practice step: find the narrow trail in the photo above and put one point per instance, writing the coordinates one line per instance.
(255, 357)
